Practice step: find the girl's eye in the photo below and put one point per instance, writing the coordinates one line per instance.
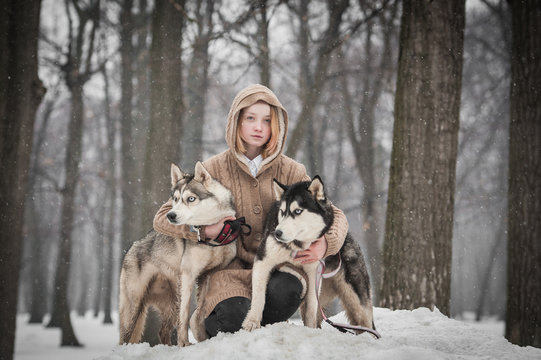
(250, 118)
(268, 121)
(191, 199)
(297, 211)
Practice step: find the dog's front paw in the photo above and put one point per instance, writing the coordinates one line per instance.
(251, 323)
(183, 343)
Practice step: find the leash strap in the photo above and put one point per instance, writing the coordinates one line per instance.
(320, 274)
(230, 232)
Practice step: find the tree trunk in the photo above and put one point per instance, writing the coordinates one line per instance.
(20, 94)
(419, 223)
(109, 213)
(163, 145)
(129, 184)
(60, 316)
(165, 105)
(38, 267)
(263, 54)
(197, 86)
(77, 72)
(523, 318)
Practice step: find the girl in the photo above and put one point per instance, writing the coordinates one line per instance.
(255, 133)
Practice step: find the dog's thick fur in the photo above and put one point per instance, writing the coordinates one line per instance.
(301, 215)
(161, 271)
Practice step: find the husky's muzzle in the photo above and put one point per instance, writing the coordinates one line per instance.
(172, 217)
(278, 235)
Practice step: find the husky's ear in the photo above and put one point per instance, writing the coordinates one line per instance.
(316, 188)
(202, 175)
(176, 175)
(278, 189)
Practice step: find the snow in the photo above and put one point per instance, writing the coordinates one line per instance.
(418, 334)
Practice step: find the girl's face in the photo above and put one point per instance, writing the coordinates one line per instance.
(255, 128)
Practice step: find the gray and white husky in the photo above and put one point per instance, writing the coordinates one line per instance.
(161, 270)
(302, 214)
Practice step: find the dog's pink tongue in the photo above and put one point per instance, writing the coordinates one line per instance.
(294, 254)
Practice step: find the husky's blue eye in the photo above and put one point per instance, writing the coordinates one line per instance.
(191, 199)
(297, 211)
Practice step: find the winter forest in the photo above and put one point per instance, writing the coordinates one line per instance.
(422, 118)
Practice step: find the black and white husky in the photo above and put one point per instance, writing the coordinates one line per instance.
(161, 270)
(302, 214)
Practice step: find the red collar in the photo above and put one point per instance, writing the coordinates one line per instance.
(230, 232)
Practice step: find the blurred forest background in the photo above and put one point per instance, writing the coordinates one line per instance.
(127, 79)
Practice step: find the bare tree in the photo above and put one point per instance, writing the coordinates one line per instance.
(197, 83)
(523, 318)
(36, 246)
(20, 94)
(166, 103)
(312, 80)
(77, 70)
(376, 73)
(263, 58)
(109, 213)
(419, 223)
(313, 72)
(166, 108)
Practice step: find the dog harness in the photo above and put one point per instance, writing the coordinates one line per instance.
(229, 233)
(320, 274)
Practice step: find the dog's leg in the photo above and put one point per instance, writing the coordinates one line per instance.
(187, 283)
(197, 325)
(326, 297)
(136, 325)
(168, 308)
(358, 312)
(310, 312)
(260, 278)
(132, 315)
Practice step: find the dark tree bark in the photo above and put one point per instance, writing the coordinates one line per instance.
(419, 223)
(197, 83)
(166, 107)
(263, 58)
(130, 187)
(20, 94)
(523, 318)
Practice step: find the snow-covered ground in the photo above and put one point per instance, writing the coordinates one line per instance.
(418, 334)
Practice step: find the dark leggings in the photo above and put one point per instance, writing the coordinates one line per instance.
(282, 300)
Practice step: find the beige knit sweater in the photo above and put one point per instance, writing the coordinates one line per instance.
(253, 199)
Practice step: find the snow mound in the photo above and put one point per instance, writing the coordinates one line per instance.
(418, 334)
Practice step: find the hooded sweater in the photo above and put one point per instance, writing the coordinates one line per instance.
(253, 198)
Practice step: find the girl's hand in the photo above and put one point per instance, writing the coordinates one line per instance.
(315, 252)
(212, 231)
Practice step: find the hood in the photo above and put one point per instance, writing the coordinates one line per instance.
(247, 97)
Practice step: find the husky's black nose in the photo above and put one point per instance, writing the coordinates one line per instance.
(278, 234)
(171, 216)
